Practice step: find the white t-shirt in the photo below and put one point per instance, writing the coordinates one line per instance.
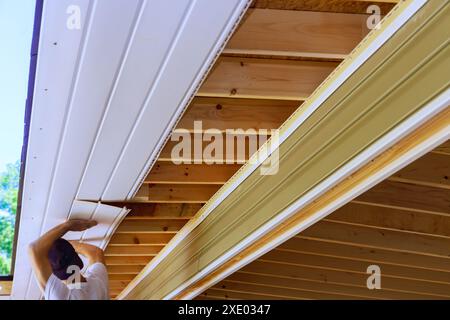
(95, 288)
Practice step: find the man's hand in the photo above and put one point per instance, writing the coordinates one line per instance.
(79, 224)
(92, 253)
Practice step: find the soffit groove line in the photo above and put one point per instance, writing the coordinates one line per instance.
(150, 92)
(112, 92)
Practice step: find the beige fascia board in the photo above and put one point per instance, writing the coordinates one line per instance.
(399, 87)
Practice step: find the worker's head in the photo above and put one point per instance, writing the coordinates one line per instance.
(62, 255)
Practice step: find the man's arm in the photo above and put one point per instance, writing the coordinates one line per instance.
(92, 253)
(38, 250)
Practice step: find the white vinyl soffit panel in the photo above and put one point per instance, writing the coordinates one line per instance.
(108, 92)
(108, 219)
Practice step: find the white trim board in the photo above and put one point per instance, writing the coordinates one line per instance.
(106, 97)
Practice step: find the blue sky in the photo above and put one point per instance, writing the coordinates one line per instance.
(16, 28)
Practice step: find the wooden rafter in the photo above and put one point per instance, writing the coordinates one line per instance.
(265, 78)
(276, 32)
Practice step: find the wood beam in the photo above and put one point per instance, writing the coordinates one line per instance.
(133, 250)
(298, 34)
(280, 292)
(393, 219)
(227, 113)
(198, 156)
(177, 194)
(221, 294)
(408, 195)
(318, 286)
(239, 153)
(381, 238)
(342, 6)
(443, 149)
(130, 238)
(359, 279)
(358, 250)
(131, 260)
(123, 277)
(431, 169)
(265, 78)
(169, 173)
(124, 269)
(337, 263)
(147, 225)
(142, 209)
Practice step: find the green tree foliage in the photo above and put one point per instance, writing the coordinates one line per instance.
(5, 265)
(9, 185)
(6, 235)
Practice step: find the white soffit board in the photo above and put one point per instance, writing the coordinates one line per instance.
(177, 42)
(106, 97)
(108, 219)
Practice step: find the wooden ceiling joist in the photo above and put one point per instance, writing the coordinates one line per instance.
(133, 250)
(164, 173)
(342, 289)
(226, 113)
(380, 237)
(177, 193)
(283, 258)
(443, 149)
(361, 130)
(393, 218)
(277, 32)
(418, 288)
(235, 77)
(406, 195)
(342, 6)
(351, 248)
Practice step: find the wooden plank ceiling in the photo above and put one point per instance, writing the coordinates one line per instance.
(402, 225)
(280, 53)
